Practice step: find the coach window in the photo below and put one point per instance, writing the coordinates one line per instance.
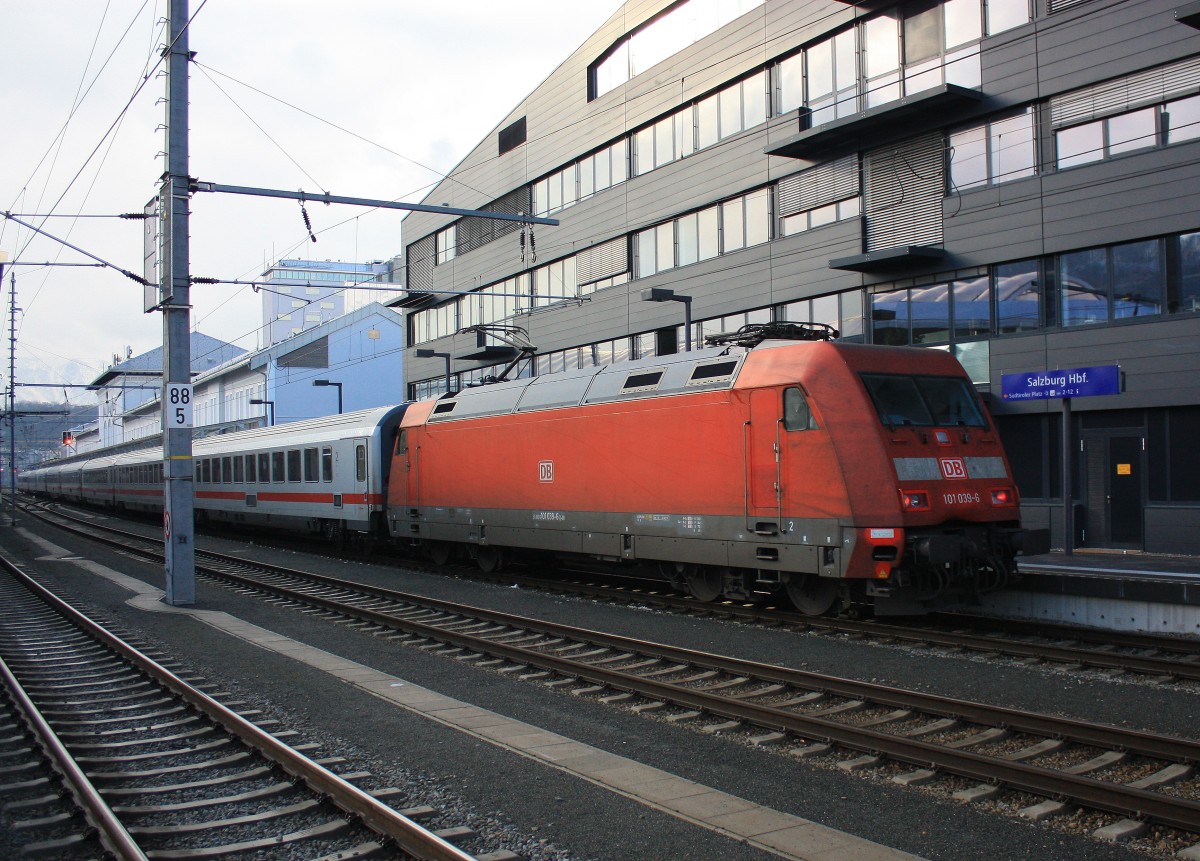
(310, 464)
(206, 475)
(227, 470)
(326, 464)
(251, 471)
(360, 462)
(264, 467)
(239, 474)
(797, 415)
(293, 465)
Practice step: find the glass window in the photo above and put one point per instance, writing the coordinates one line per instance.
(889, 318)
(206, 471)
(929, 311)
(1137, 279)
(688, 239)
(852, 316)
(1080, 144)
(326, 464)
(665, 236)
(1018, 293)
(922, 31)
(664, 142)
(360, 463)
(790, 74)
(963, 22)
(733, 226)
(293, 465)
(251, 469)
(1083, 286)
(264, 467)
(1183, 119)
(685, 133)
(277, 467)
(923, 401)
(311, 462)
(972, 304)
(239, 474)
(708, 122)
(1013, 146)
(1005, 14)
(797, 416)
(882, 36)
(1132, 131)
(709, 233)
(968, 158)
(758, 217)
(731, 111)
(1189, 274)
(227, 470)
(754, 100)
(647, 253)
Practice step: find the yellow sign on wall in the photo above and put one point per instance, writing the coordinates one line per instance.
(1124, 469)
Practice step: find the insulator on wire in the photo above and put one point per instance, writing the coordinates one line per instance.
(307, 222)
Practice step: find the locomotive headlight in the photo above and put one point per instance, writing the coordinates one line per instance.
(914, 500)
(1002, 496)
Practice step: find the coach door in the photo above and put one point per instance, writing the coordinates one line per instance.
(762, 461)
(362, 487)
(1113, 476)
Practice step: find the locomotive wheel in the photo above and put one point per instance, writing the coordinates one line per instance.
(705, 583)
(490, 559)
(812, 595)
(439, 552)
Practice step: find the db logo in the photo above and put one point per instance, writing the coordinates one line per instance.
(953, 467)
(546, 470)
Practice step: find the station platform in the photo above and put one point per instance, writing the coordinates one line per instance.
(1129, 591)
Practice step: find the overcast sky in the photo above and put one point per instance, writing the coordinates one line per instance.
(362, 98)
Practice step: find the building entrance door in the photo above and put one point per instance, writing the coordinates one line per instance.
(1113, 476)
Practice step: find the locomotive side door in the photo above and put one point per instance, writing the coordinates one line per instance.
(764, 489)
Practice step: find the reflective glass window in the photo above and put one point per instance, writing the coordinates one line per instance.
(1018, 293)
(972, 304)
(1189, 274)
(733, 228)
(929, 314)
(1183, 119)
(1132, 131)
(758, 217)
(708, 122)
(754, 100)
(688, 240)
(963, 22)
(797, 415)
(1137, 279)
(1080, 144)
(968, 158)
(709, 233)
(790, 76)
(1083, 286)
(922, 31)
(665, 236)
(1013, 146)
(664, 142)
(647, 254)
(731, 111)
(1005, 14)
(889, 318)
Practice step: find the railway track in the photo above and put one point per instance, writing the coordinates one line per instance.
(1138, 779)
(108, 753)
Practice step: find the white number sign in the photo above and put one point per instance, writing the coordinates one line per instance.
(179, 405)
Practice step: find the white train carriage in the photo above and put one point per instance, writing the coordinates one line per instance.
(324, 476)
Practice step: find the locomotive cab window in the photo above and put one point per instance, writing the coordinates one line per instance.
(923, 401)
(797, 414)
(402, 442)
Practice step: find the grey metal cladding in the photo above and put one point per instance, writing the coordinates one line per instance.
(917, 468)
(816, 186)
(1148, 87)
(902, 193)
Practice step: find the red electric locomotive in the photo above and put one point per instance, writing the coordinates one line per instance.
(841, 474)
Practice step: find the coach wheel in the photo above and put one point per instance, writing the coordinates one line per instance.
(812, 595)
(705, 583)
(439, 552)
(490, 559)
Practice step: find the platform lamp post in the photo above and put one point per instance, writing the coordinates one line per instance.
(332, 383)
(662, 294)
(270, 409)
(433, 354)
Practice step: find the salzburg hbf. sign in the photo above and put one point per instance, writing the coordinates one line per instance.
(1064, 383)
